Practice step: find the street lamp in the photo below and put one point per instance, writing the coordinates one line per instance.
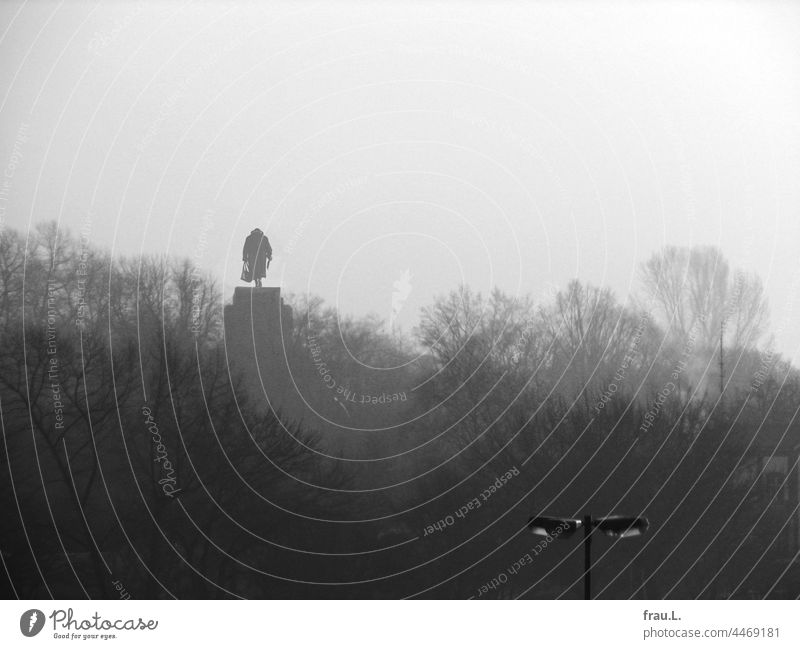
(622, 527)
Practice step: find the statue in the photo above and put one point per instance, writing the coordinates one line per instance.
(256, 255)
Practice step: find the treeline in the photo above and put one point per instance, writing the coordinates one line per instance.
(134, 454)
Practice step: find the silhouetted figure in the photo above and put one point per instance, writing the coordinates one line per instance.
(255, 254)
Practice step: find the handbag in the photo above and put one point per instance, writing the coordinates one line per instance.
(247, 274)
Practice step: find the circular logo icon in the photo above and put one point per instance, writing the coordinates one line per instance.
(31, 622)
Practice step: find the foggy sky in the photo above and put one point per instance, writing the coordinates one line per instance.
(500, 144)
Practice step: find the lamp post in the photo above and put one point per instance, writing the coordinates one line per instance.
(587, 557)
(616, 526)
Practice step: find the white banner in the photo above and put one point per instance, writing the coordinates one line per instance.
(392, 624)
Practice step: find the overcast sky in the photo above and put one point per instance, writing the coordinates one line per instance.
(497, 144)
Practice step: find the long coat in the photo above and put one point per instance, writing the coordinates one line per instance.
(255, 252)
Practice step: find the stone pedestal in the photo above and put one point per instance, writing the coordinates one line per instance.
(258, 325)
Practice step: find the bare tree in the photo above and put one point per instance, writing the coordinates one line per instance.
(697, 297)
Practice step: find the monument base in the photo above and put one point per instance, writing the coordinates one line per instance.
(258, 328)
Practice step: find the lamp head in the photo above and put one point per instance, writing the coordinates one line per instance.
(622, 526)
(552, 526)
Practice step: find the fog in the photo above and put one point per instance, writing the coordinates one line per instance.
(507, 145)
